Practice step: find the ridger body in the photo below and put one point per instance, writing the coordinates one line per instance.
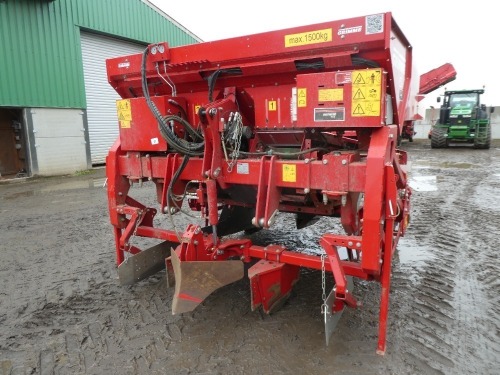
(302, 120)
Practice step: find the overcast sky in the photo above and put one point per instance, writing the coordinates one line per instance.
(464, 34)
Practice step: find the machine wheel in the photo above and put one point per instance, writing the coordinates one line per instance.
(438, 138)
(483, 142)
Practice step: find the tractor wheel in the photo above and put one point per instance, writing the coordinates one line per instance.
(438, 138)
(483, 142)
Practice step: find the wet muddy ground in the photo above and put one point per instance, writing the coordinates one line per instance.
(62, 310)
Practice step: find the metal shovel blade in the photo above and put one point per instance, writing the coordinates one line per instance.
(195, 281)
(331, 317)
(145, 263)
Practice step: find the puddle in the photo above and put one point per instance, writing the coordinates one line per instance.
(100, 182)
(21, 194)
(413, 254)
(423, 183)
(63, 186)
(456, 165)
(486, 196)
(427, 164)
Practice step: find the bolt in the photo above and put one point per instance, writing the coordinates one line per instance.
(344, 162)
(195, 243)
(349, 243)
(306, 161)
(325, 162)
(217, 172)
(358, 244)
(120, 193)
(306, 190)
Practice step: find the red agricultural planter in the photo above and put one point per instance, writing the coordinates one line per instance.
(303, 121)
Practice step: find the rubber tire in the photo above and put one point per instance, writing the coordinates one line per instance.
(438, 139)
(486, 145)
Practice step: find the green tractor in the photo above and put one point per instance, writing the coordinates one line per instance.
(462, 119)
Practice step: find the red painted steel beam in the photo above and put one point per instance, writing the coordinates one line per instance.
(323, 176)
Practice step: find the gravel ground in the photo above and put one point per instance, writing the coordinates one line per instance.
(62, 310)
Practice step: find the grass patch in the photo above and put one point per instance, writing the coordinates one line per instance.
(84, 172)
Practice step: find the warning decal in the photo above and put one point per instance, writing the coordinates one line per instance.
(124, 112)
(289, 173)
(301, 97)
(366, 92)
(330, 95)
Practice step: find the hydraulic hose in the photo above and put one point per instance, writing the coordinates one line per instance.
(182, 146)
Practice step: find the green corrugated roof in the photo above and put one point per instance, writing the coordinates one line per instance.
(40, 54)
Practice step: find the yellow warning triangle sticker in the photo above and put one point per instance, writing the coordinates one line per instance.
(121, 117)
(359, 79)
(358, 110)
(359, 95)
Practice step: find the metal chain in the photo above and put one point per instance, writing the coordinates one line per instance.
(237, 144)
(323, 283)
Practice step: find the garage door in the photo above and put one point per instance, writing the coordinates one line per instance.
(101, 97)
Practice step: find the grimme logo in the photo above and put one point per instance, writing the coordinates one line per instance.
(350, 30)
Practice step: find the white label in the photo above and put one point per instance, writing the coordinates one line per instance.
(154, 141)
(124, 64)
(293, 104)
(242, 168)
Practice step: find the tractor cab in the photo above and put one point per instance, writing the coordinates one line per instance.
(459, 107)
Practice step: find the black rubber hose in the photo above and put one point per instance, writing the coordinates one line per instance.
(180, 145)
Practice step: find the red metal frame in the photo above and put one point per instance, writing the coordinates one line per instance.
(320, 90)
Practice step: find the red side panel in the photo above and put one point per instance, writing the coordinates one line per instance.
(341, 99)
(435, 78)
